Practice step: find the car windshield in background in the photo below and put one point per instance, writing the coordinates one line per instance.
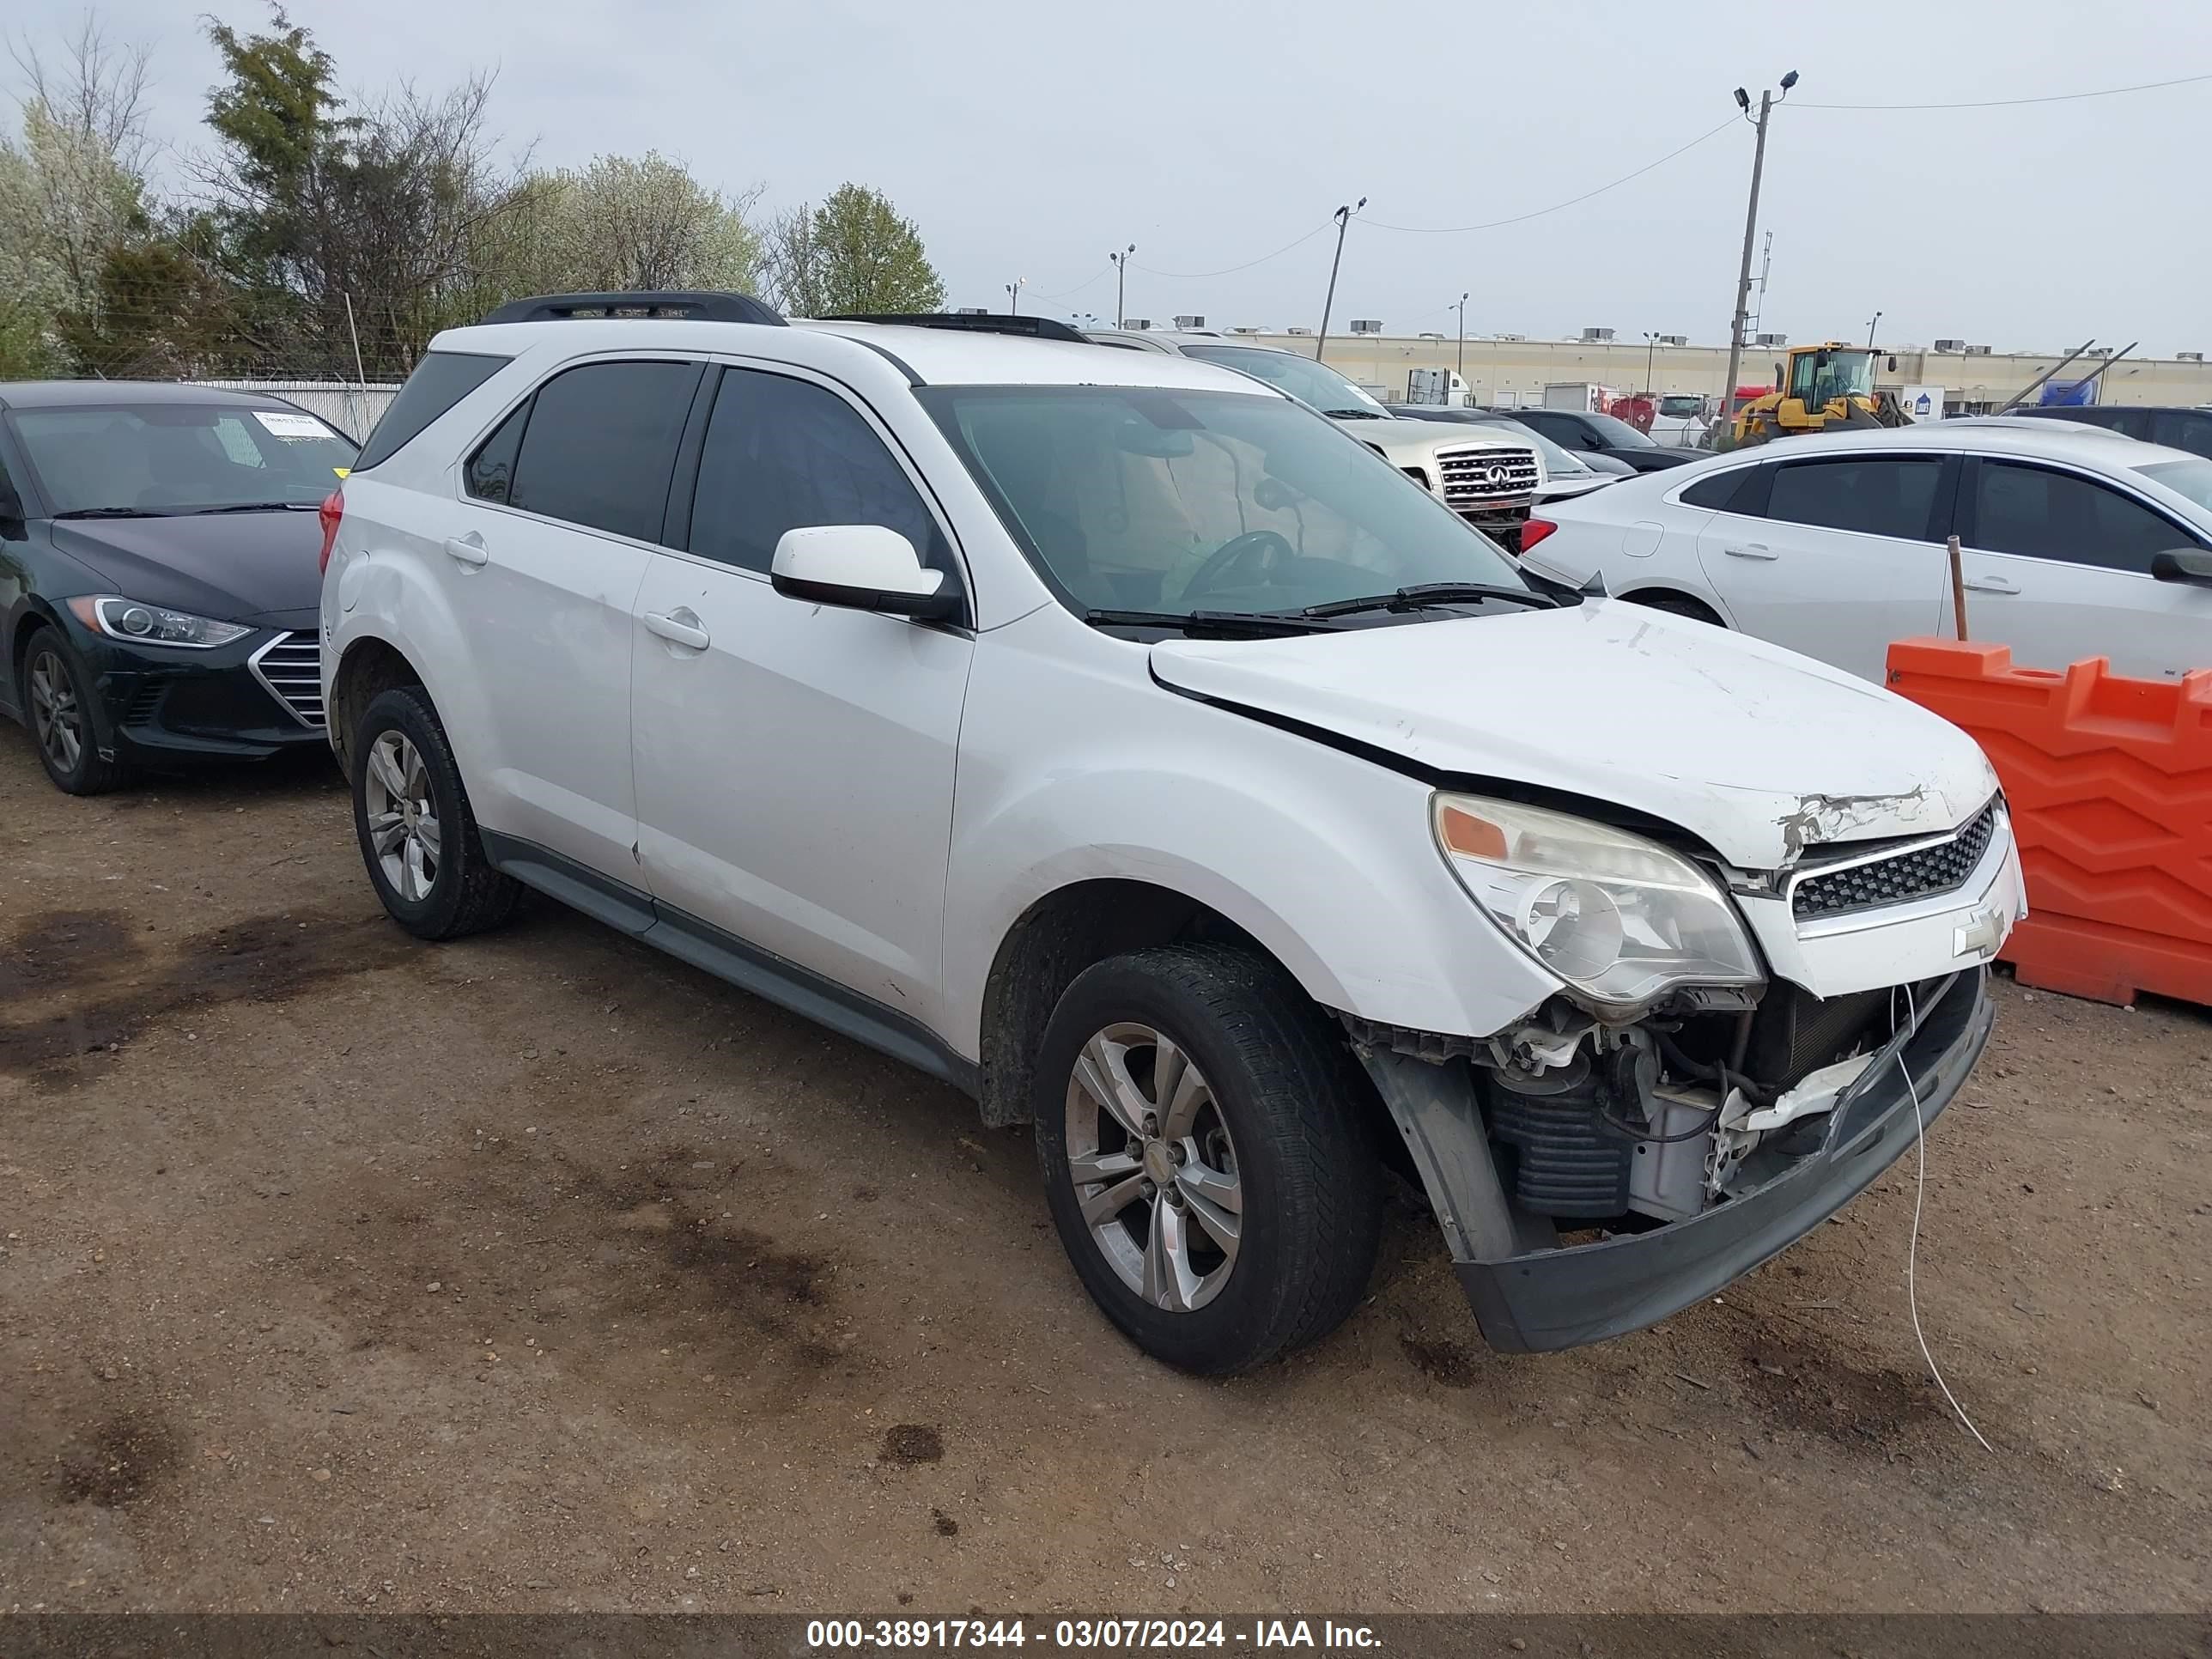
(163, 458)
(2192, 478)
(1314, 384)
(1681, 408)
(1618, 433)
(1132, 499)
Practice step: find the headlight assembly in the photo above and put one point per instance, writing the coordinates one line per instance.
(1620, 918)
(150, 624)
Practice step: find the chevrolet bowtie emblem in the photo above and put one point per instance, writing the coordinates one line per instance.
(1980, 936)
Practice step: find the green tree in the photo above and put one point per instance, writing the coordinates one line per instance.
(852, 253)
(623, 222)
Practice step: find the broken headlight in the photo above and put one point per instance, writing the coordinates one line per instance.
(1620, 918)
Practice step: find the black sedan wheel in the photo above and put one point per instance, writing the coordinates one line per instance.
(59, 711)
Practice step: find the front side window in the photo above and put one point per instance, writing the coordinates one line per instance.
(1876, 496)
(2043, 514)
(2182, 428)
(155, 459)
(600, 445)
(1138, 498)
(1315, 384)
(782, 453)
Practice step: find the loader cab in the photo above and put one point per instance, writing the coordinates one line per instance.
(1820, 375)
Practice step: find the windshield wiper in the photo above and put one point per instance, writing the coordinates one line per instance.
(1258, 625)
(1424, 596)
(255, 506)
(114, 513)
(1354, 415)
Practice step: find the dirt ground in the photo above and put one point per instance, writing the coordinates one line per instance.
(541, 1272)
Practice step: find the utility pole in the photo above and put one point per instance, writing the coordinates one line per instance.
(1871, 326)
(1014, 296)
(1461, 370)
(1343, 217)
(1766, 100)
(1121, 263)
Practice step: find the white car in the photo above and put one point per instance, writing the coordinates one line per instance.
(2076, 543)
(1490, 477)
(1105, 735)
(1682, 418)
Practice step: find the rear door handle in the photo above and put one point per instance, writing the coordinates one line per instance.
(679, 627)
(468, 549)
(1991, 585)
(1751, 551)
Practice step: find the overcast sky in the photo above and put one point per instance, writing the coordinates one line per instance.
(1027, 140)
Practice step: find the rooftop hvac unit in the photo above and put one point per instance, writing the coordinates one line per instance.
(1190, 322)
(1366, 325)
(1977, 352)
(1136, 322)
(2189, 356)
(1596, 336)
(1950, 345)
(1511, 339)
(1674, 340)
(1770, 340)
(971, 311)
(1245, 328)
(1297, 331)
(2093, 352)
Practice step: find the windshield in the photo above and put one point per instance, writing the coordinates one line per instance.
(159, 459)
(1680, 408)
(2192, 478)
(1843, 374)
(1131, 498)
(1315, 385)
(1618, 434)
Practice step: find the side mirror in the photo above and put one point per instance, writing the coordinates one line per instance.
(2192, 565)
(862, 566)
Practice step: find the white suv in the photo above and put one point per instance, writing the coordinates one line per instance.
(1113, 738)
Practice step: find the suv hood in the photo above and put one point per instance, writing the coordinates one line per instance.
(233, 567)
(1759, 752)
(1412, 443)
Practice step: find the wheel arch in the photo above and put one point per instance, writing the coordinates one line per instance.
(1654, 595)
(369, 666)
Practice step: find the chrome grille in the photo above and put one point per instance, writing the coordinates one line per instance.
(1487, 475)
(291, 666)
(1921, 873)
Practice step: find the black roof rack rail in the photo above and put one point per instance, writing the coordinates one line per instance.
(1035, 328)
(695, 305)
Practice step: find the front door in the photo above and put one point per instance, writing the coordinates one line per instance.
(794, 760)
(2058, 566)
(1839, 558)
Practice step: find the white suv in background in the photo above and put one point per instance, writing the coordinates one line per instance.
(1101, 733)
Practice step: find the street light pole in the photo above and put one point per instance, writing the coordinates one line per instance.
(1120, 263)
(1343, 217)
(1767, 101)
(1014, 296)
(1871, 326)
(1651, 345)
(1461, 370)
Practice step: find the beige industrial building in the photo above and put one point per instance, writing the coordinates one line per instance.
(1506, 369)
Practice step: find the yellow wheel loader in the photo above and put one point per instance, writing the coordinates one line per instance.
(1821, 388)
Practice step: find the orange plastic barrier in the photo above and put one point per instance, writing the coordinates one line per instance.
(2110, 783)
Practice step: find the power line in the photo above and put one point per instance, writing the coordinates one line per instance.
(2010, 103)
(1063, 294)
(1192, 276)
(1523, 218)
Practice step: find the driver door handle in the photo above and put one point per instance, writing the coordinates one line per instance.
(679, 627)
(1751, 551)
(468, 549)
(1991, 585)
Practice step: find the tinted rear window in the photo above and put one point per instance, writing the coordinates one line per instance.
(601, 443)
(441, 379)
(1876, 496)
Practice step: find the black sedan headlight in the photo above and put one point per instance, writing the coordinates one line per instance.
(137, 623)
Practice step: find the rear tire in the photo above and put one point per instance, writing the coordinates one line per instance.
(54, 694)
(1677, 605)
(418, 836)
(1258, 1233)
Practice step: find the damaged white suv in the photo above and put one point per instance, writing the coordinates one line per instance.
(1120, 741)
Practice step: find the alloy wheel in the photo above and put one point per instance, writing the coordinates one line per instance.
(1154, 1167)
(56, 717)
(403, 819)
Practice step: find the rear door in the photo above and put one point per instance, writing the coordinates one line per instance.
(794, 760)
(563, 502)
(2058, 564)
(1835, 555)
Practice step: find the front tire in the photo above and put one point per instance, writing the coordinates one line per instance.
(1204, 1156)
(418, 836)
(56, 699)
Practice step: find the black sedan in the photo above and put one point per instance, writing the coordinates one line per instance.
(1604, 434)
(159, 574)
